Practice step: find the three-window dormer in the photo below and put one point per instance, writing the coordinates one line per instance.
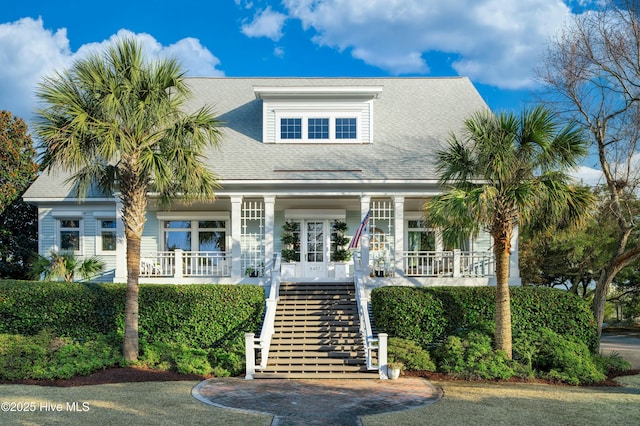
(317, 114)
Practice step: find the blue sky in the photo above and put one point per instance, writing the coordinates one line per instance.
(496, 43)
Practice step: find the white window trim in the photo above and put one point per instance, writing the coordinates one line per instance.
(59, 228)
(419, 217)
(304, 116)
(99, 230)
(194, 218)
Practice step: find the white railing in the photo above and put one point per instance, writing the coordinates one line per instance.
(453, 263)
(477, 264)
(263, 343)
(428, 263)
(371, 344)
(179, 264)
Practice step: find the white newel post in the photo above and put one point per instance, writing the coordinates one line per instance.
(250, 356)
(269, 230)
(178, 264)
(382, 356)
(121, 245)
(398, 211)
(236, 231)
(456, 263)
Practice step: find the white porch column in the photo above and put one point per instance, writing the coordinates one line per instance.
(514, 268)
(398, 212)
(365, 206)
(121, 245)
(269, 230)
(236, 232)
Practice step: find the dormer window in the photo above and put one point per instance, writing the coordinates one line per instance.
(318, 128)
(290, 128)
(323, 114)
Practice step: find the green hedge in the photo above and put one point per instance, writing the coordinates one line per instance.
(428, 315)
(194, 315)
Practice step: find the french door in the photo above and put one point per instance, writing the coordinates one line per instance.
(314, 248)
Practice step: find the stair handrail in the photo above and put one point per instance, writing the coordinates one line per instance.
(263, 342)
(371, 343)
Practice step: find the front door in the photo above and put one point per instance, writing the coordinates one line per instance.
(314, 249)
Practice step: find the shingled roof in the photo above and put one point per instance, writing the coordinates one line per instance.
(412, 120)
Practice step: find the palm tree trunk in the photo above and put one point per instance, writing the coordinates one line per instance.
(130, 347)
(503, 298)
(134, 214)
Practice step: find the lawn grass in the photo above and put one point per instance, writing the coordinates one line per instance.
(468, 403)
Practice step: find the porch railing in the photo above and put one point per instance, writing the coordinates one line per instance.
(455, 263)
(371, 343)
(263, 342)
(179, 263)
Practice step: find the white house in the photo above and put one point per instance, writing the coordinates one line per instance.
(303, 151)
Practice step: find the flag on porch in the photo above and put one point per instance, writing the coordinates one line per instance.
(356, 238)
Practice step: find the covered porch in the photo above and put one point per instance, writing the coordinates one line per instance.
(235, 242)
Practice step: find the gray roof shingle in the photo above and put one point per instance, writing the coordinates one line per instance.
(413, 119)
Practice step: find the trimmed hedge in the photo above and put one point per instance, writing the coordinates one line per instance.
(429, 315)
(199, 316)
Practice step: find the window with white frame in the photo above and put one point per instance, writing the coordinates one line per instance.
(195, 235)
(346, 128)
(307, 128)
(69, 234)
(107, 235)
(420, 238)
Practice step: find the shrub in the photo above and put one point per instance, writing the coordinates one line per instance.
(472, 357)
(559, 357)
(410, 313)
(612, 362)
(428, 315)
(196, 315)
(410, 354)
(45, 356)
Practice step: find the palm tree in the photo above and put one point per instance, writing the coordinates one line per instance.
(508, 171)
(116, 122)
(65, 266)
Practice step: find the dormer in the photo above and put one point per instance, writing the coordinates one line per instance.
(317, 114)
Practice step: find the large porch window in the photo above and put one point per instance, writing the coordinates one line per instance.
(195, 235)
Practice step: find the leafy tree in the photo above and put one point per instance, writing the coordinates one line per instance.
(592, 75)
(116, 120)
(18, 239)
(18, 220)
(507, 171)
(65, 266)
(17, 166)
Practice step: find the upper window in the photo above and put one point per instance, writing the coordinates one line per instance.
(346, 128)
(318, 128)
(291, 128)
(70, 235)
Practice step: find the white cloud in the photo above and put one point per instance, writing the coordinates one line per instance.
(29, 51)
(496, 42)
(588, 176)
(266, 23)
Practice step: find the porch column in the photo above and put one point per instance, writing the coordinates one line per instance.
(365, 206)
(269, 230)
(398, 255)
(121, 245)
(236, 231)
(514, 268)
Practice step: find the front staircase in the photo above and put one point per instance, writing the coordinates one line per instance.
(316, 334)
